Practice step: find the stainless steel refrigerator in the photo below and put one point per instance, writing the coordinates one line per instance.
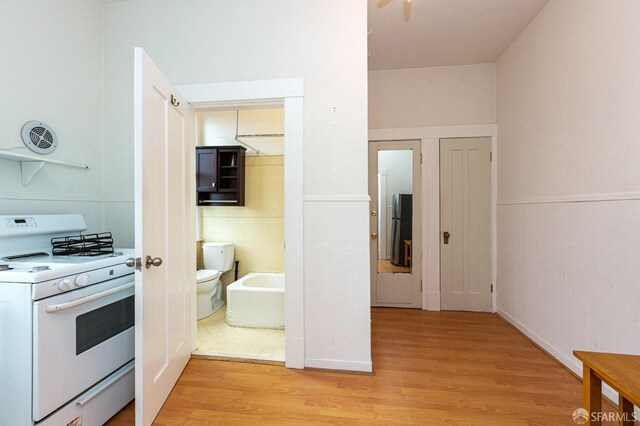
(401, 223)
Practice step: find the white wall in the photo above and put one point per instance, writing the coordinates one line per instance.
(568, 154)
(435, 96)
(322, 41)
(567, 87)
(52, 71)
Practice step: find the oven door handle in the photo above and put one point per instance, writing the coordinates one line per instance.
(105, 384)
(87, 299)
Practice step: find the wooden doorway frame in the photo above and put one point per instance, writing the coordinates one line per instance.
(430, 146)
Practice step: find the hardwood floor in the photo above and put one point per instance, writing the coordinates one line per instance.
(386, 266)
(430, 368)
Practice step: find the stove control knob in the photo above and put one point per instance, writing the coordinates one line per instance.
(65, 284)
(82, 280)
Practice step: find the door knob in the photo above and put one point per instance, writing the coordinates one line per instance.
(374, 236)
(131, 262)
(374, 213)
(445, 236)
(152, 261)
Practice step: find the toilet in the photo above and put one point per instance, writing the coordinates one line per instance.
(218, 259)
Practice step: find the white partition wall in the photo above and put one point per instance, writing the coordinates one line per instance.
(334, 118)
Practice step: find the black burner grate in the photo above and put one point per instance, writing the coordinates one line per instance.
(83, 245)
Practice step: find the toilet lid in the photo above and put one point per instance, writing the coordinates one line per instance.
(206, 275)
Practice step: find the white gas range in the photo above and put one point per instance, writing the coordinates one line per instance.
(66, 325)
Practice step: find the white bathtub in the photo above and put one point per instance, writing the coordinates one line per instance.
(257, 301)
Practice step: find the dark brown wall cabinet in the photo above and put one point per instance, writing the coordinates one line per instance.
(220, 175)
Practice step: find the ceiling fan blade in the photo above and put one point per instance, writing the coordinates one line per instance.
(383, 3)
(407, 10)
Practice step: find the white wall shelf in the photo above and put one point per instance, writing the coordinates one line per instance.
(30, 165)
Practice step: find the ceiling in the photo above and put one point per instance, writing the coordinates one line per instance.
(445, 32)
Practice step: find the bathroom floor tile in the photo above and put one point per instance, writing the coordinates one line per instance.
(217, 338)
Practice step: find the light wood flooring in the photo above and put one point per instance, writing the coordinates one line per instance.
(430, 368)
(386, 266)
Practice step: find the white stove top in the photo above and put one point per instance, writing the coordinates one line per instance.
(48, 267)
(22, 236)
(44, 257)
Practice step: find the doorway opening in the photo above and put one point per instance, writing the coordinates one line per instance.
(288, 95)
(241, 307)
(395, 223)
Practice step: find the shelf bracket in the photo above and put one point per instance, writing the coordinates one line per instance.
(29, 169)
(30, 165)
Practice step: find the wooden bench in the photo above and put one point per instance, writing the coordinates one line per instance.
(621, 372)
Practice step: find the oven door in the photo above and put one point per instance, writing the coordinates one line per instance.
(80, 337)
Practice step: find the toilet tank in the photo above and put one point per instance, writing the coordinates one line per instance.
(218, 256)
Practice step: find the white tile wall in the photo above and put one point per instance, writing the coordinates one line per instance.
(119, 220)
(257, 228)
(115, 217)
(91, 210)
(569, 275)
(337, 300)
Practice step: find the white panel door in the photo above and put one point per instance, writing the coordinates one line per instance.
(396, 233)
(165, 231)
(465, 224)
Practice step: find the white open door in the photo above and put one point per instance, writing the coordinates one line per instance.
(164, 235)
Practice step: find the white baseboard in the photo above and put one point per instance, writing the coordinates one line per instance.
(331, 364)
(294, 352)
(572, 364)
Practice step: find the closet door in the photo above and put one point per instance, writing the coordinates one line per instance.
(465, 223)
